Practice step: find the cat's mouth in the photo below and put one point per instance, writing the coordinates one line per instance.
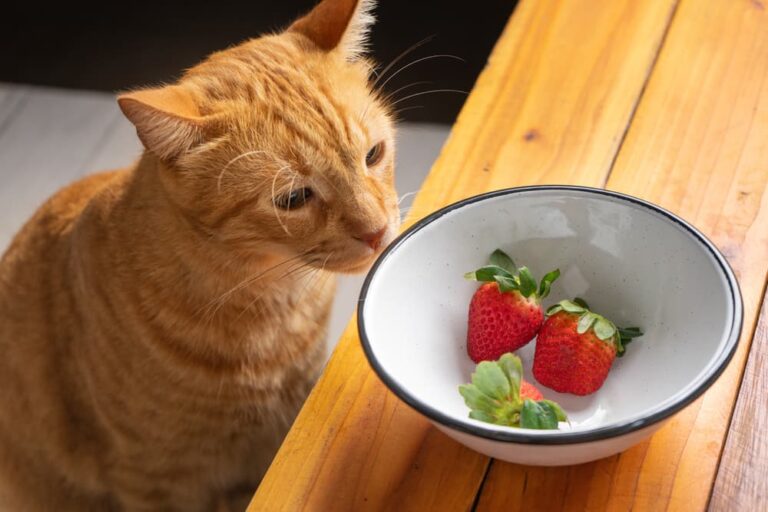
(351, 260)
(355, 255)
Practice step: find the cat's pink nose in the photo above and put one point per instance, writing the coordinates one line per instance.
(374, 238)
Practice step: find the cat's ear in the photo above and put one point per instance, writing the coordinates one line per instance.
(338, 25)
(167, 119)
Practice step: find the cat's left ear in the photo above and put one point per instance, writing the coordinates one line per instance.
(167, 119)
(338, 25)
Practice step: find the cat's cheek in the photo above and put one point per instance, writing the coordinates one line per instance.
(393, 228)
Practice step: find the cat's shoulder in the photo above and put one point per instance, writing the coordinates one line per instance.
(71, 200)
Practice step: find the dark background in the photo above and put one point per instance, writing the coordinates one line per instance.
(114, 46)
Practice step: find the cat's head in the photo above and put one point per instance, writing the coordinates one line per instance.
(280, 144)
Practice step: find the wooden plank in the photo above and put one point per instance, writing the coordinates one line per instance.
(51, 138)
(698, 145)
(551, 107)
(742, 477)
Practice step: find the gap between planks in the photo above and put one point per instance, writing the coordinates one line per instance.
(741, 480)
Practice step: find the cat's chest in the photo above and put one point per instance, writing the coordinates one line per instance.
(255, 362)
(281, 324)
(279, 341)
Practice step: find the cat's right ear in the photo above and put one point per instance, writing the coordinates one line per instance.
(338, 25)
(167, 119)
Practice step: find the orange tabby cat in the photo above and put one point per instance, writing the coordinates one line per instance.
(161, 325)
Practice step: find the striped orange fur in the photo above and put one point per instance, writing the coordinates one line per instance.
(161, 325)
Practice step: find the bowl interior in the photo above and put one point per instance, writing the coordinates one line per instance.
(633, 264)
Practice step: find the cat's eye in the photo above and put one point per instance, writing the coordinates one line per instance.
(295, 199)
(375, 154)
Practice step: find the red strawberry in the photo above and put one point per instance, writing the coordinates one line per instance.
(505, 313)
(576, 348)
(529, 391)
(499, 395)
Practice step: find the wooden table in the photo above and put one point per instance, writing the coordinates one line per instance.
(662, 99)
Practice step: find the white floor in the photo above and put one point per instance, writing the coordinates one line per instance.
(50, 137)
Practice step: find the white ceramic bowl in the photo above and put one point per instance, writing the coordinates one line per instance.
(632, 261)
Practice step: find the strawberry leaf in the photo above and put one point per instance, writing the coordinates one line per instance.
(555, 308)
(559, 412)
(549, 418)
(546, 282)
(476, 399)
(507, 284)
(527, 282)
(487, 274)
(529, 416)
(538, 415)
(585, 322)
(626, 335)
(512, 367)
(604, 329)
(571, 307)
(482, 416)
(501, 259)
(630, 332)
(581, 302)
(490, 380)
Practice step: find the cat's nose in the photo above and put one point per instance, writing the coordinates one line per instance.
(374, 238)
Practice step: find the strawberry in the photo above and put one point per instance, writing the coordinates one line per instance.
(505, 312)
(576, 348)
(497, 395)
(528, 390)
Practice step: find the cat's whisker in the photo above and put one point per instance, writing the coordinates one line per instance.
(406, 196)
(317, 272)
(310, 278)
(297, 269)
(433, 91)
(417, 61)
(401, 56)
(393, 94)
(274, 205)
(406, 109)
(304, 267)
(330, 183)
(290, 191)
(410, 211)
(221, 299)
(232, 161)
(389, 66)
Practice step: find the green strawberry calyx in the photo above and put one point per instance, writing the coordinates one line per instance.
(494, 397)
(503, 271)
(603, 328)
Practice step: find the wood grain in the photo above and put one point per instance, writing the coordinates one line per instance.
(551, 107)
(742, 478)
(698, 145)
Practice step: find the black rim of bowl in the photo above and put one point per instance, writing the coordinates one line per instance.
(519, 435)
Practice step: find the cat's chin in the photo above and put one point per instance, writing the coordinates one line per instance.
(351, 267)
(359, 269)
